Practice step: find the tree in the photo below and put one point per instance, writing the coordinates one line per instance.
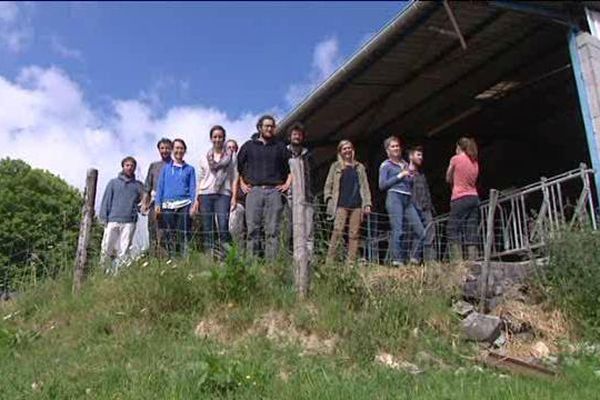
(39, 221)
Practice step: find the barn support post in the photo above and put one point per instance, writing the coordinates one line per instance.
(581, 47)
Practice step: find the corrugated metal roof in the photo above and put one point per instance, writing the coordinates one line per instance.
(415, 73)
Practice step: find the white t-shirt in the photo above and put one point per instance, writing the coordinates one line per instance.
(206, 178)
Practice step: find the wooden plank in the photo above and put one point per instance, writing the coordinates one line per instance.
(516, 365)
(487, 252)
(299, 215)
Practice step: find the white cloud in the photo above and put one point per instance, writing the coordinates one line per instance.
(59, 47)
(16, 30)
(8, 11)
(45, 120)
(326, 59)
(162, 87)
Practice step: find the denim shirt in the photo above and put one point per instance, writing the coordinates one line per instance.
(388, 177)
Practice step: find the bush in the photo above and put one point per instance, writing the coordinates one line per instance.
(572, 279)
(347, 283)
(213, 374)
(39, 225)
(236, 280)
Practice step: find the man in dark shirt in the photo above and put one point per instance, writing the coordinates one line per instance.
(164, 147)
(421, 198)
(265, 178)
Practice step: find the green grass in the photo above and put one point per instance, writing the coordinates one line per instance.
(132, 337)
(572, 279)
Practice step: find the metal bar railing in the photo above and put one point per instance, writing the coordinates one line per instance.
(520, 230)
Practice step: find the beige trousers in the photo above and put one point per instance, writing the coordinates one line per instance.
(354, 217)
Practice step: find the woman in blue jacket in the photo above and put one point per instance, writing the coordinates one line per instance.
(175, 195)
(396, 178)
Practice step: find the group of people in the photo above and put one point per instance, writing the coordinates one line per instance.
(408, 201)
(241, 194)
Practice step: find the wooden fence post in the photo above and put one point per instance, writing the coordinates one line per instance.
(299, 234)
(487, 252)
(85, 229)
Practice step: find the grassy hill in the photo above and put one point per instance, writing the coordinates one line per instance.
(195, 329)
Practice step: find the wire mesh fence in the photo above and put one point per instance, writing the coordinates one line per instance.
(525, 220)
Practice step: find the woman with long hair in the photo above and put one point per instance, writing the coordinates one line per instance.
(396, 177)
(462, 175)
(174, 197)
(217, 176)
(348, 197)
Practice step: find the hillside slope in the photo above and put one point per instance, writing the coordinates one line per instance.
(183, 330)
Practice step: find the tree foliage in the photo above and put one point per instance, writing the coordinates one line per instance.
(39, 221)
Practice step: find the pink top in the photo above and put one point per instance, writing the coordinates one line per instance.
(464, 177)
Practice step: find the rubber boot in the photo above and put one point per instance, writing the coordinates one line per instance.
(472, 253)
(428, 254)
(455, 252)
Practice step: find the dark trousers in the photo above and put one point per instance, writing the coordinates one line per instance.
(177, 227)
(215, 207)
(464, 221)
(427, 221)
(156, 240)
(264, 209)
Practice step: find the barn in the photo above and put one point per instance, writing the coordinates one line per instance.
(519, 77)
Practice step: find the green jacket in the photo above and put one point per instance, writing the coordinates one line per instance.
(332, 186)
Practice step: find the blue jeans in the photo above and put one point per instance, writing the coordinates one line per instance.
(177, 226)
(215, 206)
(400, 208)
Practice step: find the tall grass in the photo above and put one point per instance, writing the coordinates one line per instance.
(132, 337)
(572, 279)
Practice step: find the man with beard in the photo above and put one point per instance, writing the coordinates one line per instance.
(165, 147)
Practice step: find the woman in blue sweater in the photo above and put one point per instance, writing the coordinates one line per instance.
(174, 196)
(396, 178)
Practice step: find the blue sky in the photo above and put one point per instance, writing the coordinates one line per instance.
(104, 80)
(238, 57)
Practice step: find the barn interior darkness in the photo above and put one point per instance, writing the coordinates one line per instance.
(533, 130)
(520, 105)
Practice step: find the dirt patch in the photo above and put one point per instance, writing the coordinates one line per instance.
(212, 329)
(280, 328)
(277, 327)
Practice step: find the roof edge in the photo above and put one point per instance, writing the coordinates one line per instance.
(360, 59)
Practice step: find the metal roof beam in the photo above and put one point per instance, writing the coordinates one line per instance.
(397, 86)
(479, 69)
(409, 20)
(534, 9)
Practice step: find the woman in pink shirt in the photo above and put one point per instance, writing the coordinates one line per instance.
(463, 222)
